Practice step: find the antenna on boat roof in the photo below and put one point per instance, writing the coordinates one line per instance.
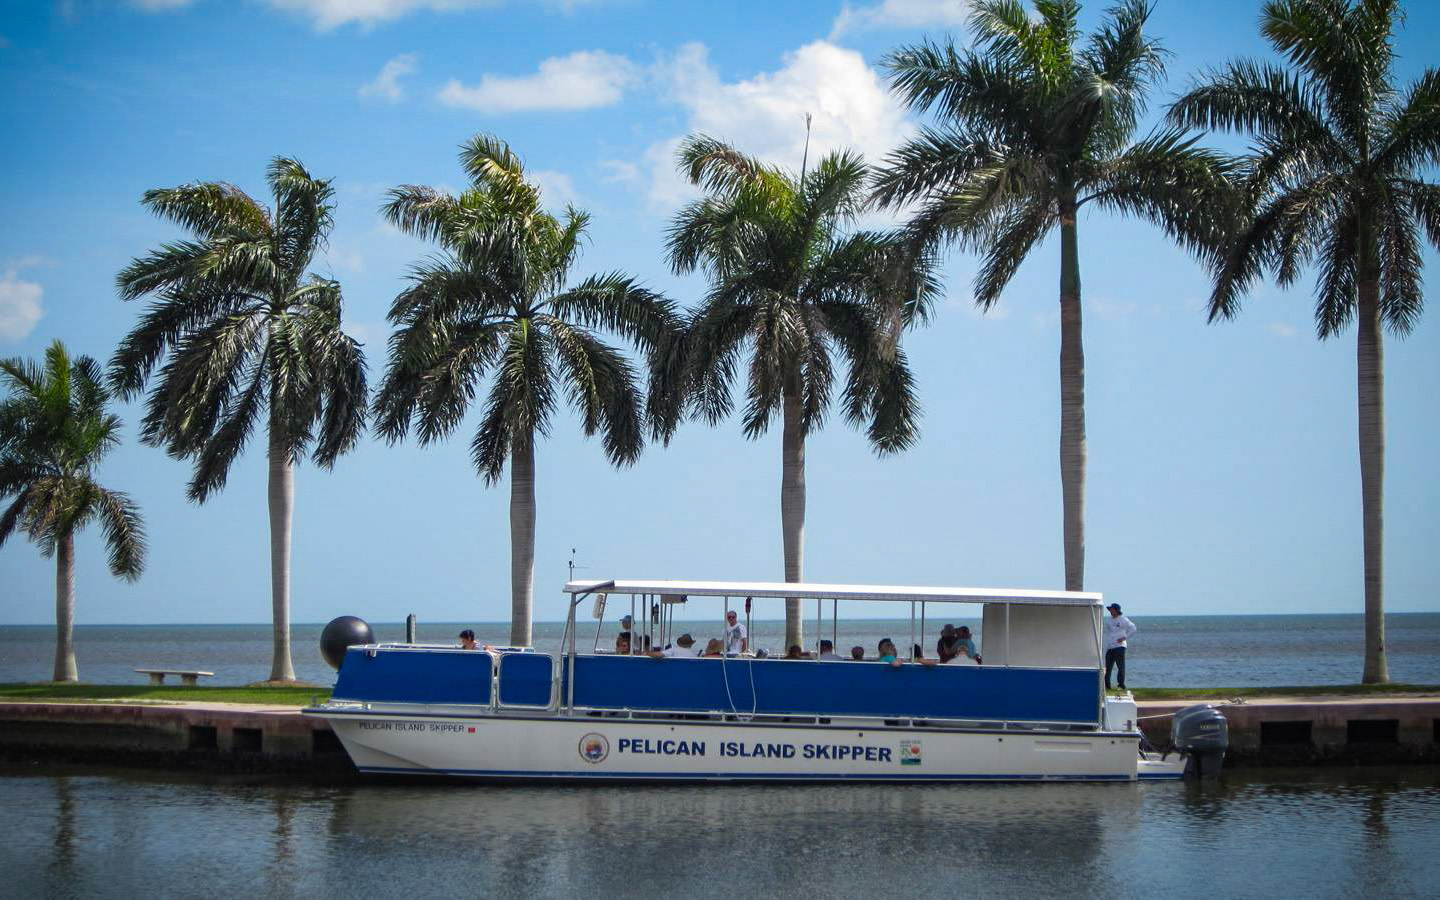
(572, 565)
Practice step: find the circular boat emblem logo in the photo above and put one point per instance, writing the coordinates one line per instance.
(594, 748)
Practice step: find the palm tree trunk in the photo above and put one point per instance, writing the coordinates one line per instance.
(65, 609)
(282, 506)
(1371, 384)
(522, 540)
(1072, 406)
(792, 513)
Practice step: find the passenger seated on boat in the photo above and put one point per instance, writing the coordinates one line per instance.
(622, 643)
(857, 654)
(920, 656)
(888, 653)
(962, 636)
(683, 647)
(962, 657)
(827, 651)
(945, 646)
(796, 653)
(467, 642)
(714, 648)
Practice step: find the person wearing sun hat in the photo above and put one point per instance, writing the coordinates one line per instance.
(1118, 631)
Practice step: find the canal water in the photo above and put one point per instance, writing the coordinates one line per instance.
(1274, 833)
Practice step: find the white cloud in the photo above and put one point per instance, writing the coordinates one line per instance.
(765, 115)
(1282, 329)
(371, 334)
(387, 84)
(617, 171)
(160, 5)
(328, 14)
(556, 188)
(20, 304)
(899, 14)
(344, 259)
(582, 80)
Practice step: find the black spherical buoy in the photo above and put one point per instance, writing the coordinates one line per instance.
(341, 634)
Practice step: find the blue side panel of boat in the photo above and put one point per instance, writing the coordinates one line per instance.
(780, 687)
(408, 676)
(525, 679)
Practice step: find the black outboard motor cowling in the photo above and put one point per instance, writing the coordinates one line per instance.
(1203, 734)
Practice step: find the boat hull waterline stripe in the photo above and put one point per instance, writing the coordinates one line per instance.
(758, 776)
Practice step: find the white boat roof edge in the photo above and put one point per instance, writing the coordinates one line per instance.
(807, 590)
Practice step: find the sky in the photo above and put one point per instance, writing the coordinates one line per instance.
(1223, 464)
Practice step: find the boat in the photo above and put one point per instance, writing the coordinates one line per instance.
(1036, 710)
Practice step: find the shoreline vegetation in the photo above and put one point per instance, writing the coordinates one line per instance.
(301, 695)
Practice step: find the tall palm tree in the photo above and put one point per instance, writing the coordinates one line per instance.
(792, 288)
(1334, 180)
(495, 304)
(54, 431)
(1032, 127)
(245, 333)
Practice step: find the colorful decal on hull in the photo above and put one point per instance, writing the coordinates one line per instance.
(594, 748)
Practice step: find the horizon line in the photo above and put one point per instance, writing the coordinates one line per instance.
(501, 622)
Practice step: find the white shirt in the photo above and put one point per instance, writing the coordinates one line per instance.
(735, 637)
(675, 650)
(961, 659)
(1118, 630)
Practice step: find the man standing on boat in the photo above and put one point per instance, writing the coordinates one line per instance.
(1118, 631)
(737, 641)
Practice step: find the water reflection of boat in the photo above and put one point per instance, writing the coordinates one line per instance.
(1035, 711)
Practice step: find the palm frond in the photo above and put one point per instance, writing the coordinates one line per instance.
(603, 387)
(1336, 288)
(124, 532)
(1021, 229)
(718, 167)
(209, 209)
(1411, 130)
(1171, 182)
(304, 214)
(985, 94)
(237, 422)
(933, 161)
(616, 302)
(1402, 296)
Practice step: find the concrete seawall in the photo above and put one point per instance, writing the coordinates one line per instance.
(235, 737)
(1286, 731)
(215, 736)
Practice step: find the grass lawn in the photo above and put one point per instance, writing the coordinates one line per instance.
(1327, 690)
(263, 694)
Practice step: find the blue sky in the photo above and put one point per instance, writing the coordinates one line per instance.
(1223, 465)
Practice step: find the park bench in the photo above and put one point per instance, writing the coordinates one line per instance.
(187, 676)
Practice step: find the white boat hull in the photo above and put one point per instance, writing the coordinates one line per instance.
(615, 748)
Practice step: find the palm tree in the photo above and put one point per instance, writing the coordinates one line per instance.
(495, 303)
(245, 333)
(54, 431)
(789, 286)
(1032, 128)
(1334, 181)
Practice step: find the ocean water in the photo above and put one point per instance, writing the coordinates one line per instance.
(1169, 651)
(1324, 833)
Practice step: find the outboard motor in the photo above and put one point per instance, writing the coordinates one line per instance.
(342, 634)
(1203, 734)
